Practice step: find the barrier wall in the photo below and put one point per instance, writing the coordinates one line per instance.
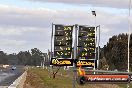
(19, 82)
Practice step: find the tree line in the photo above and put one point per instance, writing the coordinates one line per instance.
(34, 57)
(114, 55)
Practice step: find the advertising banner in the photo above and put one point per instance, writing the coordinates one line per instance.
(108, 78)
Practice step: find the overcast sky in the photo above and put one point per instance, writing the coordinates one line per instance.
(26, 24)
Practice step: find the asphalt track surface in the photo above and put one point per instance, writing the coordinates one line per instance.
(8, 76)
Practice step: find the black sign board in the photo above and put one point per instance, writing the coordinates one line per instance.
(86, 42)
(63, 41)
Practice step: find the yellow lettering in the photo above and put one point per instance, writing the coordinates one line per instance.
(67, 28)
(57, 62)
(85, 63)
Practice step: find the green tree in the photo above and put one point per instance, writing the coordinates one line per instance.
(37, 56)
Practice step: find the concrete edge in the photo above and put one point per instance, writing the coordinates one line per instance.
(19, 82)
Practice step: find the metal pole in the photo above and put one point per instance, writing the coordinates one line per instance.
(129, 24)
(75, 57)
(129, 34)
(51, 40)
(95, 43)
(94, 13)
(43, 62)
(98, 46)
(51, 69)
(48, 58)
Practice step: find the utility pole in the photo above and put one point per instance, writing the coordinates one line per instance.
(129, 24)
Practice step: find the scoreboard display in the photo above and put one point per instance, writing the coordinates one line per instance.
(86, 42)
(63, 41)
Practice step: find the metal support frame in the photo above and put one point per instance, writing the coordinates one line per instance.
(75, 49)
(51, 40)
(51, 68)
(75, 56)
(94, 13)
(98, 46)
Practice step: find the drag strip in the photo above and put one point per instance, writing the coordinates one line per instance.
(8, 76)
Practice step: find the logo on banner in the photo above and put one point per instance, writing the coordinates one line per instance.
(61, 62)
(87, 63)
(108, 78)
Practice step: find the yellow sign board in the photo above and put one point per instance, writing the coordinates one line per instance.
(69, 62)
(61, 62)
(87, 63)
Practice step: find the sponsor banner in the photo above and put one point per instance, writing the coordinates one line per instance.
(108, 78)
(69, 62)
(87, 63)
(61, 62)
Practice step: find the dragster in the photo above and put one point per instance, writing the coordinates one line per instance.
(115, 77)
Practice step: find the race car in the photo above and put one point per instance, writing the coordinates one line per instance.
(13, 67)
